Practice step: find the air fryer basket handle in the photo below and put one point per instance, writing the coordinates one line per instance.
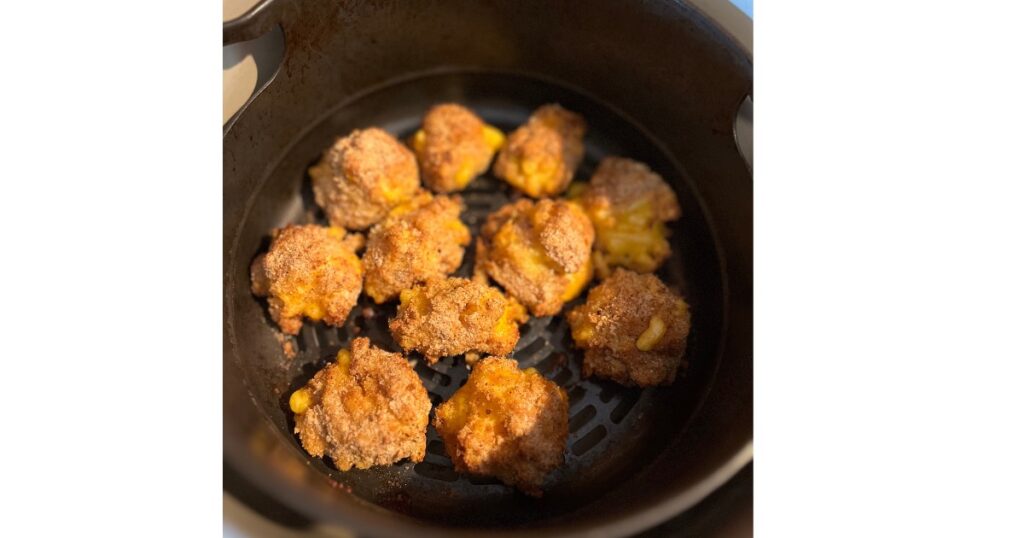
(740, 28)
(253, 23)
(743, 130)
(257, 33)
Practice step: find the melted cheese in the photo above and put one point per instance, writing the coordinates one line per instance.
(631, 237)
(302, 399)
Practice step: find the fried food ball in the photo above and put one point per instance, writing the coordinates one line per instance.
(454, 146)
(309, 271)
(632, 329)
(505, 422)
(362, 177)
(538, 251)
(452, 316)
(541, 156)
(368, 408)
(629, 205)
(419, 240)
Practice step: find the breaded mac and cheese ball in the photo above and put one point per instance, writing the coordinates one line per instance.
(633, 330)
(309, 271)
(362, 177)
(541, 156)
(420, 240)
(367, 408)
(629, 205)
(538, 251)
(454, 146)
(453, 316)
(505, 422)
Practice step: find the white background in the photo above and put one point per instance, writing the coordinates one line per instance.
(888, 268)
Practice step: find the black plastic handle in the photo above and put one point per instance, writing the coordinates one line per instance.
(253, 23)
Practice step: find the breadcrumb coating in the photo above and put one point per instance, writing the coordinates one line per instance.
(538, 251)
(362, 177)
(505, 422)
(418, 241)
(454, 146)
(309, 271)
(368, 408)
(541, 156)
(633, 330)
(453, 316)
(629, 205)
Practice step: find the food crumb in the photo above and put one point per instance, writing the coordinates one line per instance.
(287, 344)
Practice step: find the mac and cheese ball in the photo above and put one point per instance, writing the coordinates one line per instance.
(454, 146)
(419, 240)
(541, 156)
(454, 316)
(367, 408)
(629, 205)
(538, 251)
(309, 272)
(362, 177)
(505, 422)
(632, 329)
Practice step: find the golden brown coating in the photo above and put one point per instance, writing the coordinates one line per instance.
(419, 240)
(454, 146)
(309, 271)
(362, 176)
(633, 330)
(452, 316)
(505, 422)
(368, 408)
(541, 156)
(538, 251)
(629, 205)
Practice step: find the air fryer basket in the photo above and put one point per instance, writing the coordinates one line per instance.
(633, 454)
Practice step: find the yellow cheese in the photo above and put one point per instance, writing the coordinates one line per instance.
(476, 398)
(508, 323)
(578, 281)
(344, 360)
(300, 401)
(583, 332)
(415, 299)
(632, 238)
(466, 172)
(419, 141)
(650, 338)
(493, 137)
